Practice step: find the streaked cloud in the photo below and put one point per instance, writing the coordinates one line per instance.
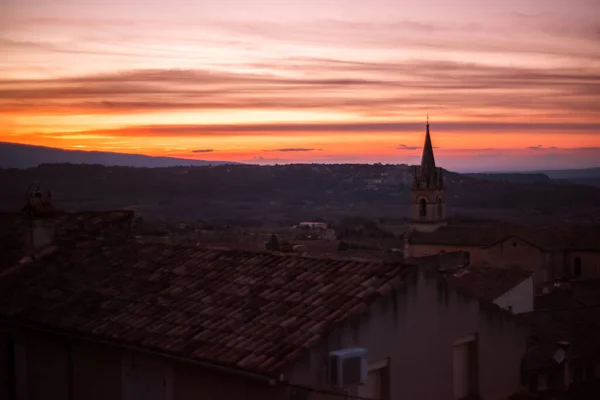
(203, 151)
(405, 147)
(300, 77)
(413, 86)
(540, 147)
(294, 150)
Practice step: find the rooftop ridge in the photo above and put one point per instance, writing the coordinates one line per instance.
(272, 305)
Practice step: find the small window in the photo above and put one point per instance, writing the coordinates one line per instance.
(510, 308)
(440, 208)
(577, 266)
(514, 244)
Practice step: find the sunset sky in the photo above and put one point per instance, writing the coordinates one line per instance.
(511, 84)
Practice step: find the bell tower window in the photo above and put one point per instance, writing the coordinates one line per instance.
(422, 208)
(577, 266)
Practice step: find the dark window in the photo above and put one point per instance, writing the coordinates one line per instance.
(440, 208)
(577, 266)
(422, 208)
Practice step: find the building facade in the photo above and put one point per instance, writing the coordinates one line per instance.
(549, 253)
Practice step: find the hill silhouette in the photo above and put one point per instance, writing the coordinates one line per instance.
(14, 155)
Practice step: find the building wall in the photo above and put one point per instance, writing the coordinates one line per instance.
(58, 368)
(519, 299)
(47, 369)
(4, 366)
(431, 197)
(192, 383)
(417, 329)
(426, 226)
(516, 251)
(476, 254)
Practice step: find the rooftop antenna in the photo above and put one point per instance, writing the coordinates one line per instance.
(427, 118)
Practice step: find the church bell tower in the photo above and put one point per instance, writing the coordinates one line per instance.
(427, 192)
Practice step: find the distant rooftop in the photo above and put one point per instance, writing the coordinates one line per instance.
(15, 229)
(487, 282)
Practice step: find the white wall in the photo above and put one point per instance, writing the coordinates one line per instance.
(520, 297)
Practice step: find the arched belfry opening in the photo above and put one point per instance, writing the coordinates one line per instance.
(427, 192)
(422, 208)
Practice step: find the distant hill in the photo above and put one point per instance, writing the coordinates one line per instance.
(518, 177)
(283, 195)
(586, 173)
(14, 155)
(588, 176)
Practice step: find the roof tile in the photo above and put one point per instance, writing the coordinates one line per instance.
(239, 308)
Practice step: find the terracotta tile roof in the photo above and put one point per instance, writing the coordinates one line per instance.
(92, 223)
(252, 310)
(487, 282)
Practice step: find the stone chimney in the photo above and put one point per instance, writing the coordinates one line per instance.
(39, 213)
(564, 348)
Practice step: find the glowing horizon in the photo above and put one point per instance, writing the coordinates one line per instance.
(507, 84)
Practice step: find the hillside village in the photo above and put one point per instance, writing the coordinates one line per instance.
(358, 309)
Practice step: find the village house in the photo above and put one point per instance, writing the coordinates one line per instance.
(509, 288)
(96, 320)
(88, 313)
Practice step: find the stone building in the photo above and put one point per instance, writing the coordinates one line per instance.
(427, 192)
(550, 253)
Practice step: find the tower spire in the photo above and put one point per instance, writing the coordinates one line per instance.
(428, 169)
(427, 192)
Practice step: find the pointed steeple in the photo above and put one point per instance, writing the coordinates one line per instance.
(428, 170)
(427, 193)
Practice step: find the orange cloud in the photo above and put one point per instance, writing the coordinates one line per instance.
(522, 83)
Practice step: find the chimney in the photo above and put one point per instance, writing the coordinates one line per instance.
(39, 211)
(272, 244)
(564, 353)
